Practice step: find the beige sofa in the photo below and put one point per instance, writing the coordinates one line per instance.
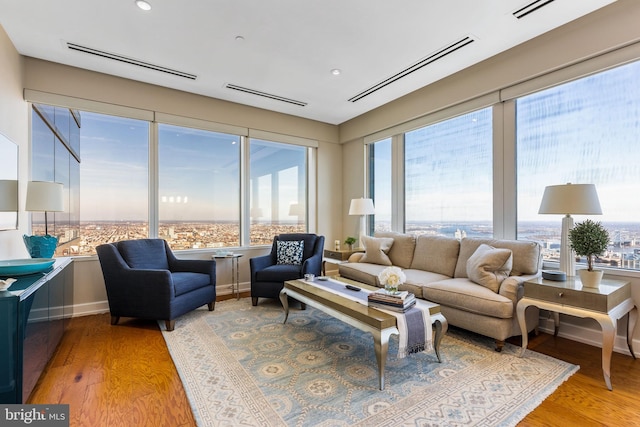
(436, 269)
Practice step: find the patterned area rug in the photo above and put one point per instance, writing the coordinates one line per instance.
(241, 366)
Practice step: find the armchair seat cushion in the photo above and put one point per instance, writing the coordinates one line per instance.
(186, 282)
(279, 273)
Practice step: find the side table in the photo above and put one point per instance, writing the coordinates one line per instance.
(235, 272)
(337, 256)
(606, 304)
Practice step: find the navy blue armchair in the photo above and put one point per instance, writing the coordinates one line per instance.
(268, 272)
(144, 279)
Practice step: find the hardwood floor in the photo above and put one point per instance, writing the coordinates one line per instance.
(121, 376)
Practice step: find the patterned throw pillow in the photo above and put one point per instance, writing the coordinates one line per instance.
(289, 251)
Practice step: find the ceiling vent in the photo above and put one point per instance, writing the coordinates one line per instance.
(530, 8)
(415, 67)
(131, 61)
(265, 95)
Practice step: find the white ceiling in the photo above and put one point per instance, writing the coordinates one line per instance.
(289, 46)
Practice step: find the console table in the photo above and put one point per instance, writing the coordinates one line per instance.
(606, 304)
(34, 313)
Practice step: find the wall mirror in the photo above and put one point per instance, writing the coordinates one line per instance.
(8, 184)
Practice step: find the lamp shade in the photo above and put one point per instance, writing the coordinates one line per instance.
(569, 199)
(361, 207)
(45, 196)
(8, 195)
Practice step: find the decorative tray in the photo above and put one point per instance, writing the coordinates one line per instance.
(21, 267)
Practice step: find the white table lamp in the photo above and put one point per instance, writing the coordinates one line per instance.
(567, 199)
(361, 207)
(44, 197)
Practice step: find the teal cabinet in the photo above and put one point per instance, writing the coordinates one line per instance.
(34, 314)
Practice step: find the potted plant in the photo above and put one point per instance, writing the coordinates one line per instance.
(349, 241)
(589, 238)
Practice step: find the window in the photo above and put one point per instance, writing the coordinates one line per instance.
(449, 177)
(380, 181)
(199, 188)
(584, 132)
(54, 141)
(278, 190)
(114, 180)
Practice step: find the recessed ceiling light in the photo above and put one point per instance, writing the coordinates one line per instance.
(336, 72)
(144, 5)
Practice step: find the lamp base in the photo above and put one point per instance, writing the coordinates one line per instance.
(41, 246)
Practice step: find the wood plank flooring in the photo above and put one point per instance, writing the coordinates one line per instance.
(122, 376)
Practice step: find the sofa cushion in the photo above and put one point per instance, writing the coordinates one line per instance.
(489, 266)
(401, 253)
(417, 279)
(289, 252)
(527, 258)
(375, 250)
(465, 295)
(438, 254)
(361, 272)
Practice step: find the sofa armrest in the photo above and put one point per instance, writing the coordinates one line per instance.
(513, 287)
(356, 257)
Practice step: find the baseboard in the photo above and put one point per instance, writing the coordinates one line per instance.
(88, 309)
(588, 335)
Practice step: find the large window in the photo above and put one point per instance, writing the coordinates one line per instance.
(586, 131)
(55, 148)
(380, 179)
(199, 188)
(278, 190)
(449, 177)
(114, 180)
(173, 179)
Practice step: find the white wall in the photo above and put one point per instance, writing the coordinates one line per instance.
(14, 124)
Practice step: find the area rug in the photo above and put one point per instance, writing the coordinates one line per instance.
(241, 366)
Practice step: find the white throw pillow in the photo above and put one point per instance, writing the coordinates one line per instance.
(376, 249)
(489, 266)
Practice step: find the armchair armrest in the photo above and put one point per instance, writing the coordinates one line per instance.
(313, 265)
(259, 263)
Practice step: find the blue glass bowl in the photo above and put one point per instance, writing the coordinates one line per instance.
(41, 246)
(21, 267)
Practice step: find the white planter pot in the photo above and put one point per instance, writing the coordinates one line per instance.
(590, 279)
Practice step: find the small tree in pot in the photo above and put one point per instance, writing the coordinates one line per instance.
(349, 241)
(589, 239)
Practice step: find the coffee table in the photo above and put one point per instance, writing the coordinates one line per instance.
(368, 319)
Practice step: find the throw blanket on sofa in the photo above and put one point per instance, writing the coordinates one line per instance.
(414, 325)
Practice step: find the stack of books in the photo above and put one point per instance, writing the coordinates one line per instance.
(401, 302)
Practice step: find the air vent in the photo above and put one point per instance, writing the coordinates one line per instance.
(131, 61)
(415, 67)
(530, 8)
(266, 95)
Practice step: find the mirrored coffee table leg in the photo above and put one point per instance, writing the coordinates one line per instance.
(441, 325)
(285, 304)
